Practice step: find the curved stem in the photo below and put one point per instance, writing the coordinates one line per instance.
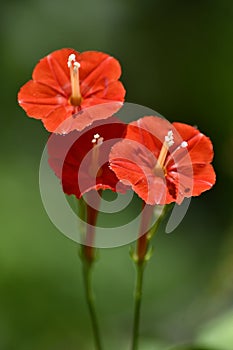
(137, 305)
(87, 270)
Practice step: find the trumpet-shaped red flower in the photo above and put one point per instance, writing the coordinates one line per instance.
(66, 82)
(80, 159)
(163, 162)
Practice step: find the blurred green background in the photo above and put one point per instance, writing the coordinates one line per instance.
(177, 58)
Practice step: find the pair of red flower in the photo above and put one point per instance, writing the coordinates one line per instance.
(77, 94)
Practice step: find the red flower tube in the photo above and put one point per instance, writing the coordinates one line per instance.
(163, 162)
(66, 82)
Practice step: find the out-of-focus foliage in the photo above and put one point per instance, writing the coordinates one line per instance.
(177, 58)
(218, 333)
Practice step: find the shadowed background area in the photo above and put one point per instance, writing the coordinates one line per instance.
(177, 59)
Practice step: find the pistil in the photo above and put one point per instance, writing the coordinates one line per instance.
(76, 97)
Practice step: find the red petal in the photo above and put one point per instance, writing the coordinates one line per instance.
(92, 60)
(39, 100)
(97, 71)
(204, 178)
(199, 147)
(85, 117)
(127, 161)
(114, 91)
(55, 120)
(53, 71)
(186, 131)
(150, 132)
(150, 188)
(181, 182)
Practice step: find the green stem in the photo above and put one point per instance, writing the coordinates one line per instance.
(137, 304)
(140, 257)
(87, 272)
(88, 256)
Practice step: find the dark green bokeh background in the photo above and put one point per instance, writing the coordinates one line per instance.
(177, 58)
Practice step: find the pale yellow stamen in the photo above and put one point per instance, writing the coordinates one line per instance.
(76, 97)
(168, 142)
(95, 169)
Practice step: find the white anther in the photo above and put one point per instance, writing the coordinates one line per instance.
(71, 58)
(97, 139)
(76, 64)
(169, 139)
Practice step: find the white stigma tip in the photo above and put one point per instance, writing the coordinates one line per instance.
(184, 144)
(169, 139)
(96, 136)
(93, 141)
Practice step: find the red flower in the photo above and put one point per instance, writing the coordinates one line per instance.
(163, 162)
(66, 82)
(80, 159)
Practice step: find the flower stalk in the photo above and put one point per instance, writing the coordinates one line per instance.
(140, 257)
(89, 213)
(137, 304)
(87, 279)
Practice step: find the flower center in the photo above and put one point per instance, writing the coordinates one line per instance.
(168, 142)
(95, 170)
(76, 97)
